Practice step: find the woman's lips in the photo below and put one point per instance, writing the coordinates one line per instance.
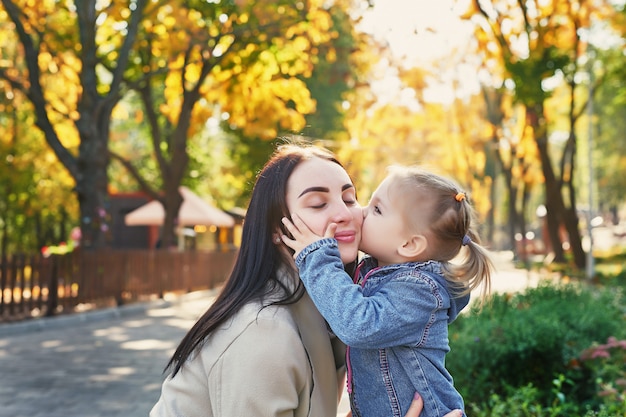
(345, 237)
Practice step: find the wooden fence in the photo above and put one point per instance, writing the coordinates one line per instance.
(32, 286)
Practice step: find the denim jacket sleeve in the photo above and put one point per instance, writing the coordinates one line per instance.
(399, 312)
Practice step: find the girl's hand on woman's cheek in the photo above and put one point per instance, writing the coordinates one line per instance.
(303, 236)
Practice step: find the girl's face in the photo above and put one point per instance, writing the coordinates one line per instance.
(384, 229)
(320, 192)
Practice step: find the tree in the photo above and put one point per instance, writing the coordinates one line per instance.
(528, 44)
(406, 128)
(59, 69)
(515, 155)
(239, 62)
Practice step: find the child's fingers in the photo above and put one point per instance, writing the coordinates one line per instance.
(330, 230)
(298, 223)
(291, 227)
(416, 406)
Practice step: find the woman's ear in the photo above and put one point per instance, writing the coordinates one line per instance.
(415, 246)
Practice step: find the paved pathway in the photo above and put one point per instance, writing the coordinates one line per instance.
(109, 363)
(100, 364)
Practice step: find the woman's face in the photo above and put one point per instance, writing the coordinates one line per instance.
(320, 192)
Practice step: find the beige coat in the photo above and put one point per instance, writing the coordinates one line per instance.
(277, 361)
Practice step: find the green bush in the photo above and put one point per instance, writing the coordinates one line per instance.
(525, 402)
(531, 338)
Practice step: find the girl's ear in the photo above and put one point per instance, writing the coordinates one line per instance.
(415, 246)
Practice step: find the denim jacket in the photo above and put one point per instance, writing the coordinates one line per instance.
(395, 323)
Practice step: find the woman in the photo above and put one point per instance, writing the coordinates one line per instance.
(262, 349)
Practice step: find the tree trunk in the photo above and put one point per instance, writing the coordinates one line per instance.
(513, 216)
(171, 203)
(93, 129)
(570, 217)
(93, 126)
(522, 221)
(92, 187)
(511, 204)
(554, 200)
(491, 214)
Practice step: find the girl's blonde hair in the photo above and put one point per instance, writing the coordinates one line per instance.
(440, 204)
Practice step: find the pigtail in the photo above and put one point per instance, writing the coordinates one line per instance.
(476, 266)
(473, 271)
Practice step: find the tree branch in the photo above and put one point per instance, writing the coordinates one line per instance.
(35, 92)
(147, 188)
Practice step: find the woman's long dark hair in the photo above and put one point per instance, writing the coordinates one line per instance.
(255, 271)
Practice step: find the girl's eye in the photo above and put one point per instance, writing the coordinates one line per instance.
(376, 210)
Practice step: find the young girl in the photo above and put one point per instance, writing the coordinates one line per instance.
(395, 320)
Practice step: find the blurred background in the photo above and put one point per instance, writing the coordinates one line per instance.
(107, 107)
(131, 132)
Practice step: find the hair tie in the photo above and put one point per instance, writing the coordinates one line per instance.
(460, 196)
(466, 240)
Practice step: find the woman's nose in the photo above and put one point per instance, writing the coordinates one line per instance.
(342, 213)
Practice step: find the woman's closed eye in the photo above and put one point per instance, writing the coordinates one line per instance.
(349, 197)
(347, 202)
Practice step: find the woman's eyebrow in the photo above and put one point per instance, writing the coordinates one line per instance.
(314, 190)
(323, 189)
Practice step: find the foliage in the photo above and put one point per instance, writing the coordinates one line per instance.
(529, 45)
(229, 172)
(447, 140)
(69, 64)
(272, 68)
(608, 361)
(241, 63)
(608, 364)
(36, 208)
(129, 136)
(526, 402)
(531, 338)
(332, 77)
(242, 58)
(528, 74)
(609, 145)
